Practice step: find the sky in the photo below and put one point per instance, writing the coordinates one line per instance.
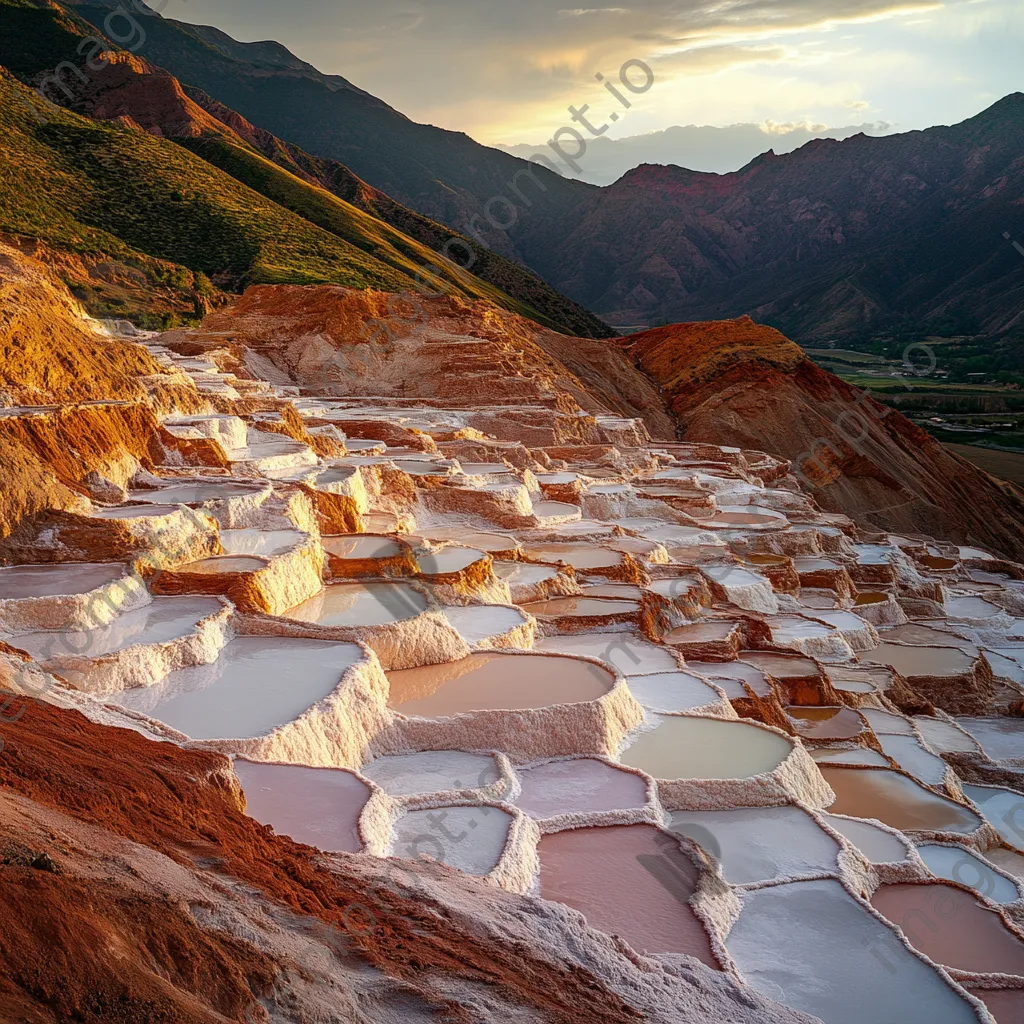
(506, 71)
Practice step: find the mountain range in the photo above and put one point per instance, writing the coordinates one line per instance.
(837, 241)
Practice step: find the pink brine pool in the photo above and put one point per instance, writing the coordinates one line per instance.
(628, 880)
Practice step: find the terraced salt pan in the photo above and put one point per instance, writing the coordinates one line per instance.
(951, 927)
(920, 661)
(858, 755)
(471, 839)
(877, 844)
(579, 556)
(318, 806)
(220, 564)
(490, 624)
(1001, 738)
(18, 582)
(361, 545)
(256, 684)
(958, 864)
(886, 722)
(673, 691)
(452, 559)
(835, 723)
(733, 672)
(578, 786)
(758, 844)
(581, 607)
(908, 753)
(811, 946)
(150, 511)
(692, 747)
(627, 653)
(496, 681)
(629, 880)
(200, 491)
(360, 604)
(971, 608)
(435, 771)
(489, 542)
(264, 543)
(943, 737)
(163, 620)
(1003, 810)
(1006, 1005)
(895, 800)
(781, 666)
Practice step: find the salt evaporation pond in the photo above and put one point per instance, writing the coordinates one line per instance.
(896, 800)
(908, 753)
(360, 604)
(835, 723)
(163, 619)
(757, 844)
(150, 511)
(256, 684)
(958, 864)
(672, 691)
(733, 671)
(920, 661)
(813, 947)
(489, 542)
(318, 806)
(629, 880)
(471, 839)
(193, 493)
(432, 771)
(781, 666)
(858, 755)
(476, 623)
(1006, 1005)
(579, 556)
(576, 786)
(964, 934)
(629, 653)
(18, 582)
(581, 607)
(361, 545)
(943, 737)
(1003, 810)
(265, 543)
(692, 747)
(496, 681)
(447, 560)
(877, 845)
(1001, 738)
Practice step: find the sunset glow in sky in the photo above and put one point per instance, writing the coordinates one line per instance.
(506, 72)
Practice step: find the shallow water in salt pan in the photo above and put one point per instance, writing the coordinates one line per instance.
(835, 723)
(781, 666)
(812, 946)
(895, 800)
(453, 559)
(1003, 810)
(739, 671)
(192, 493)
(361, 545)
(223, 564)
(432, 771)
(630, 880)
(471, 839)
(951, 927)
(908, 753)
(701, 632)
(942, 737)
(877, 845)
(484, 541)
(134, 511)
(360, 604)
(920, 661)
(958, 864)
(259, 542)
(691, 747)
(581, 607)
(576, 786)
(496, 681)
(479, 622)
(68, 579)
(1001, 738)
(255, 684)
(859, 755)
(628, 653)
(318, 806)
(163, 619)
(756, 844)
(672, 691)
(1006, 1005)
(579, 556)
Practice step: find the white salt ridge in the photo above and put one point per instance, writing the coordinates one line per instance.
(811, 946)
(256, 684)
